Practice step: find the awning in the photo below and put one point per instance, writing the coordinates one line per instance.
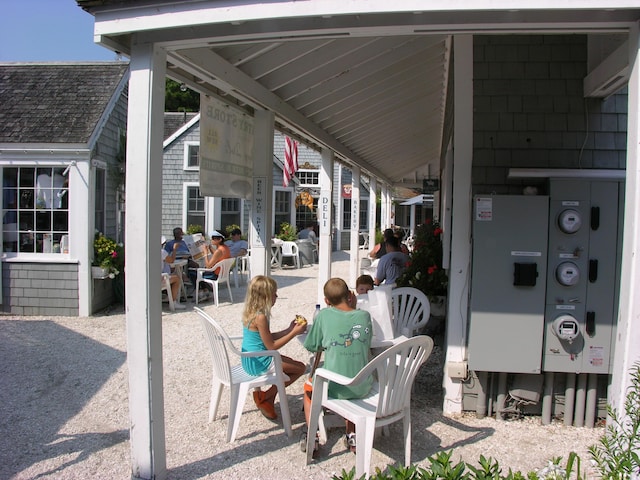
(419, 200)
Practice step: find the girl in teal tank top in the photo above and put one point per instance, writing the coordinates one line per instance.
(262, 293)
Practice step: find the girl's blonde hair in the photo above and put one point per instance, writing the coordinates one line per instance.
(259, 298)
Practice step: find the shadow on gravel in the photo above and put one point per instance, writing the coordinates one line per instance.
(47, 375)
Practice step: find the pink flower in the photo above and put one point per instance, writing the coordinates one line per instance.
(114, 254)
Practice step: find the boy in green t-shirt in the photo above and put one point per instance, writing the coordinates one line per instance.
(344, 334)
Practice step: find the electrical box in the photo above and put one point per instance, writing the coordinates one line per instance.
(583, 275)
(509, 272)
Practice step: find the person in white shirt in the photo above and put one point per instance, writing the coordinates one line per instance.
(236, 244)
(308, 233)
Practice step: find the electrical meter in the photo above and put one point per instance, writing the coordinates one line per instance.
(568, 274)
(569, 221)
(566, 328)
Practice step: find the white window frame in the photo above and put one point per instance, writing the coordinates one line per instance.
(185, 157)
(185, 205)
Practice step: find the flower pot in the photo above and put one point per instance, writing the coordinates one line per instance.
(99, 272)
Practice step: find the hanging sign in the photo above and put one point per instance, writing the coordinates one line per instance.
(346, 190)
(226, 150)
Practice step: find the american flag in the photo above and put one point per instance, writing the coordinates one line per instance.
(290, 160)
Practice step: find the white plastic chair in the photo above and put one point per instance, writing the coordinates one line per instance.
(241, 268)
(166, 286)
(389, 400)
(290, 250)
(411, 310)
(227, 371)
(223, 277)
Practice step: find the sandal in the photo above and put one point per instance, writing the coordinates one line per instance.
(350, 442)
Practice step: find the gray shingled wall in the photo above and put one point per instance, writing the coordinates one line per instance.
(40, 288)
(529, 111)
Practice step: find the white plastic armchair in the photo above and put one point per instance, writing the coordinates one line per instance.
(223, 277)
(411, 311)
(166, 286)
(290, 250)
(227, 371)
(389, 400)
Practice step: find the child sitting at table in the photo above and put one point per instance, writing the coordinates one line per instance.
(344, 333)
(364, 283)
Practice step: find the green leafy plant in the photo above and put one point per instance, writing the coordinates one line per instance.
(617, 455)
(287, 232)
(424, 269)
(191, 229)
(108, 254)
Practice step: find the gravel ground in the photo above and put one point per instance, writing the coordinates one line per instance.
(64, 406)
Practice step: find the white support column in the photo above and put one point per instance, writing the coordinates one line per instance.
(384, 214)
(412, 219)
(325, 209)
(261, 224)
(627, 348)
(387, 209)
(339, 207)
(142, 240)
(373, 187)
(354, 256)
(461, 226)
(83, 178)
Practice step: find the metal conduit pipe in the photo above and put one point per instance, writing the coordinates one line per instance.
(481, 401)
(490, 394)
(592, 401)
(569, 398)
(501, 396)
(581, 393)
(547, 397)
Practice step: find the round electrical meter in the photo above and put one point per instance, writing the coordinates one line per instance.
(569, 221)
(567, 274)
(566, 327)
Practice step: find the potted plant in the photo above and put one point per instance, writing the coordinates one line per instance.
(287, 232)
(108, 257)
(424, 269)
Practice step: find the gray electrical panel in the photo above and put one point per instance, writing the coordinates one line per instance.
(583, 273)
(509, 272)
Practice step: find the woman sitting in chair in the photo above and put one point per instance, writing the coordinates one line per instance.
(218, 251)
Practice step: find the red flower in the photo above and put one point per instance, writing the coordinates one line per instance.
(114, 254)
(437, 232)
(432, 269)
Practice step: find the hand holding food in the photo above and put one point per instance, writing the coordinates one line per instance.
(300, 320)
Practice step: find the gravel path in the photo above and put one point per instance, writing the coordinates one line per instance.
(64, 410)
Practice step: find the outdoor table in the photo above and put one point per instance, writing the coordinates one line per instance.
(178, 266)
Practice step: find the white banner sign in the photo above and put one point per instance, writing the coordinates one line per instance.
(226, 150)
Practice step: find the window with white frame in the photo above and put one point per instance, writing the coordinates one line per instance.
(36, 209)
(308, 178)
(346, 214)
(282, 208)
(191, 156)
(100, 200)
(229, 212)
(195, 207)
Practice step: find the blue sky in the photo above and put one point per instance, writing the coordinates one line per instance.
(47, 30)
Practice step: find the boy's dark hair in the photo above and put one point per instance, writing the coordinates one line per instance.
(364, 280)
(336, 291)
(393, 242)
(236, 231)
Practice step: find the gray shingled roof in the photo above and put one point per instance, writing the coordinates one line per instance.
(55, 102)
(173, 121)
